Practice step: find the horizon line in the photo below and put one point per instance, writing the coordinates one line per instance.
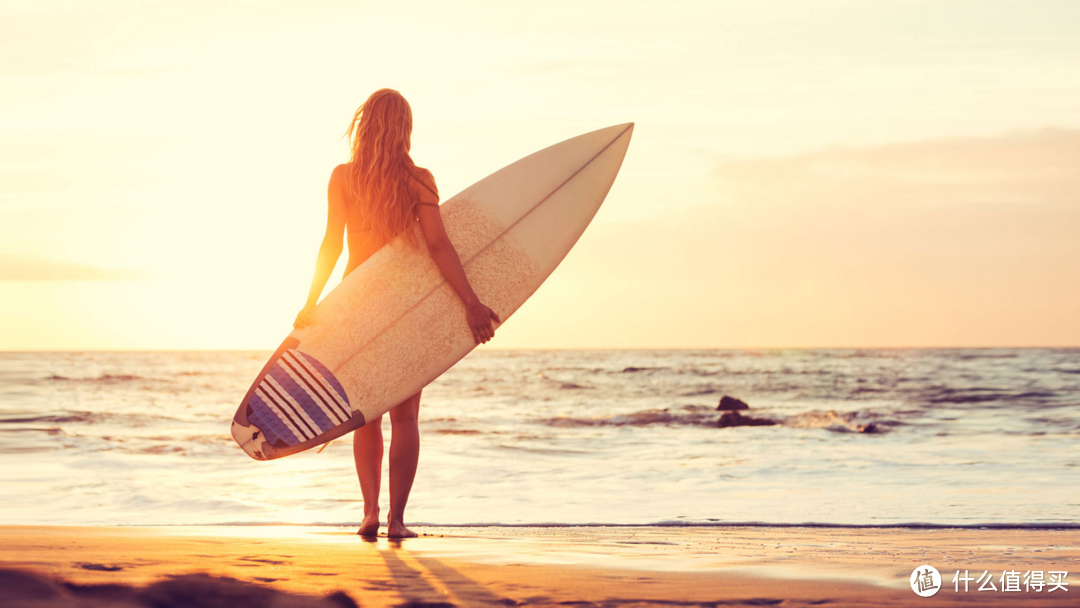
(538, 349)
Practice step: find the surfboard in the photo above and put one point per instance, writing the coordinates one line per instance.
(394, 324)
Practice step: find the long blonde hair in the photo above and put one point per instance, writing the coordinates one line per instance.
(380, 167)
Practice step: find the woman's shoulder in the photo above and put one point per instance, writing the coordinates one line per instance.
(423, 185)
(423, 176)
(338, 178)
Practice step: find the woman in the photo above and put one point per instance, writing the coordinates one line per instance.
(377, 195)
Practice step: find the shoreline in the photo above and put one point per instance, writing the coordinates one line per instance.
(662, 524)
(600, 566)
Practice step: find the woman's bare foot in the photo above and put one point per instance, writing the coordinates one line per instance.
(396, 529)
(370, 525)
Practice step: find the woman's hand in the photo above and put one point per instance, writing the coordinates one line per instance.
(479, 318)
(305, 318)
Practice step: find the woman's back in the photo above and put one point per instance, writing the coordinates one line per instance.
(362, 240)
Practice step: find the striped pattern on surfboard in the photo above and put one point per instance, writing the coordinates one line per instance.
(297, 400)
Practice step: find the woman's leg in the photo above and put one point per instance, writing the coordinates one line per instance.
(404, 454)
(368, 453)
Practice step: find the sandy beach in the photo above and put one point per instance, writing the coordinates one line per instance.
(494, 566)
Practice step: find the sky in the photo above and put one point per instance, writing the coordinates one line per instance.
(803, 173)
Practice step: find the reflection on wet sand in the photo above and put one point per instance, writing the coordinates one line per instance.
(499, 566)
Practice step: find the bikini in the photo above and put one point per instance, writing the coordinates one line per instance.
(412, 177)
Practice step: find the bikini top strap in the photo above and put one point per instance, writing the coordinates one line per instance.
(426, 187)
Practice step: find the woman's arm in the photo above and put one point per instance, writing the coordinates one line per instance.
(478, 316)
(331, 247)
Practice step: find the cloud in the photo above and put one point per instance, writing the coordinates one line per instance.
(1027, 168)
(19, 268)
(938, 243)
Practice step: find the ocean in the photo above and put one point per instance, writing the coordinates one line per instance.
(878, 437)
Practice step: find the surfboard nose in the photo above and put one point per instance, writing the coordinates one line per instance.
(614, 139)
(616, 131)
(626, 131)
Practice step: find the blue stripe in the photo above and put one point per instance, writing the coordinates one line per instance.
(318, 392)
(301, 396)
(329, 377)
(268, 422)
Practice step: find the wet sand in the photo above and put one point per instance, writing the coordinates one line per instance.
(578, 566)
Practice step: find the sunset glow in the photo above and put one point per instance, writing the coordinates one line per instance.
(901, 176)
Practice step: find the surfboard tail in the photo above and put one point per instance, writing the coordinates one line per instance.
(294, 400)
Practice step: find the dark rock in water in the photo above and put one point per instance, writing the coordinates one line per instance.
(737, 419)
(870, 428)
(731, 403)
